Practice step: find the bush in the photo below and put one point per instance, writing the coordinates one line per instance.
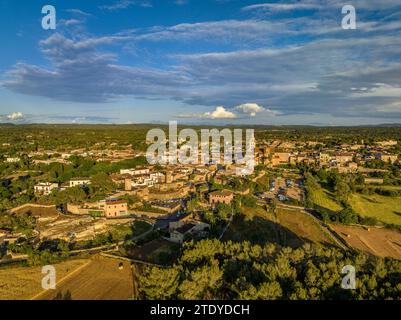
(248, 201)
(348, 216)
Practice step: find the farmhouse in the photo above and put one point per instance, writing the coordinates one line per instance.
(179, 230)
(79, 182)
(223, 196)
(45, 188)
(115, 208)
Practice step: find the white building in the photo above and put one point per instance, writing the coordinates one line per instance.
(45, 188)
(178, 230)
(79, 182)
(148, 180)
(135, 172)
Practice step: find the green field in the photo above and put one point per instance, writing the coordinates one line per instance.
(385, 209)
(325, 199)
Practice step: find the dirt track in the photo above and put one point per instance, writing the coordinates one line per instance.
(381, 242)
(101, 279)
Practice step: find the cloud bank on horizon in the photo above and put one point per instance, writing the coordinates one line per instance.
(237, 61)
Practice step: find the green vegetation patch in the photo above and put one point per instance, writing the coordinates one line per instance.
(384, 209)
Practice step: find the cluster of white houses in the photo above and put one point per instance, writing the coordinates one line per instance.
(45, 188)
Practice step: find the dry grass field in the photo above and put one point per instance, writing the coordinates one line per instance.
(303, 225)
(287, 228)
(22, 283)
(380, 242)
(42, 212)
(101, 279)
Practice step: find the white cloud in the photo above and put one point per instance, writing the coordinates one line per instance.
(250, 108)
(282, 6)
(124, 4)
(15, 116)
(393, 107)
(307, 77)
(380, 90)
(321, 5)
(69, 22)
(220, 113)
(78, 12)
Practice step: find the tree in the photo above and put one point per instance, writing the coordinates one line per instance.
(348, 216)
(102, 183)
(223, 211)
(342, 191)
(211, 269)
(159, 283)
(202, 283)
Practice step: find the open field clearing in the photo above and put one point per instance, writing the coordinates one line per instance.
(303, 226)
(381, 242)
(101, 279)
(129, 230)
(325, 199)
(287, 228)
(22, 283)
(40, 212)
(385, 209)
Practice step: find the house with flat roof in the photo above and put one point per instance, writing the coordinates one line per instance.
(79, 182)
(45, 188)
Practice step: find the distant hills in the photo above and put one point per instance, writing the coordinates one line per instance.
(206, 125)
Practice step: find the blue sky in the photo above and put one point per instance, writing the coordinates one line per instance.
(201, 61)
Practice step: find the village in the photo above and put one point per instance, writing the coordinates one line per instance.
(174, 200)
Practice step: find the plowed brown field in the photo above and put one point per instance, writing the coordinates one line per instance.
(380, 242)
